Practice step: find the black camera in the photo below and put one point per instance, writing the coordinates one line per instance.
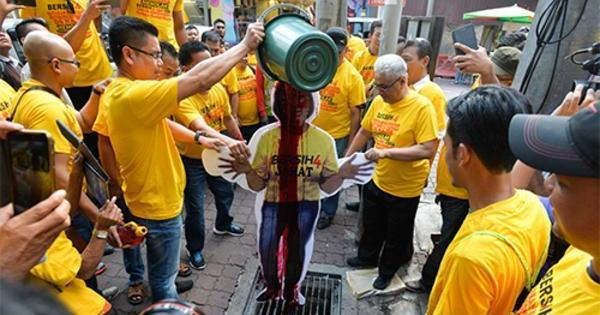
(591, 65)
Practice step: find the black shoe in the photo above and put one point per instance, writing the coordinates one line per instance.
(352, 206)
(197, 261)
(184, 285)
(324, 222)
(415, 286)
(232, 229)
(356, 262)
(381, 283)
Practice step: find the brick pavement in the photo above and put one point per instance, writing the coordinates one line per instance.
(228, 258)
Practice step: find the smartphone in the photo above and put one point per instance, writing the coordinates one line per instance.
(29, 177)
(466, 36)
(27, 3)
(95, 176)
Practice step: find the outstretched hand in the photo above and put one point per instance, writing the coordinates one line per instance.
(237, 165)
(352, 172)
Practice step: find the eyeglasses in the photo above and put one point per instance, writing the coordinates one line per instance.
(156, 55)
(73, 62)
(387, 87)
(220, 27)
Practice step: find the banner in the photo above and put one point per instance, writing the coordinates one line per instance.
(223, 9)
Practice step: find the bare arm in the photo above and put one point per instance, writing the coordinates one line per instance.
(354, 122)
(234, 100)
(85, 205)
(109, 162)
(359, 141)
(180, 133)
(205, 74)
(178, 25)
(416, 152)
(76, 35)
(235, 146)
(232, 127)
(87, 115)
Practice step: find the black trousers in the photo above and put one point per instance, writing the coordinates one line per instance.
(454, 211)
(388, 223)
(80, 96)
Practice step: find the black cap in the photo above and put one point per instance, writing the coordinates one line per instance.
(339, 36)
(562, 145)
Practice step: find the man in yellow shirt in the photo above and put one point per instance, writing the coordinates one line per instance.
(503, 242)
(248, 114)
(166, 16)
(209, 113)
(453, 201)
(569, 148)
(6, 95)
(150, 166)
(214, 42)
(403, 125)
(339, 112)
(364, 61)
(355, 45)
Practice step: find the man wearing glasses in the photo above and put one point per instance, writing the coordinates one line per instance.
(403, 125)
(136, 105)
(219, 27)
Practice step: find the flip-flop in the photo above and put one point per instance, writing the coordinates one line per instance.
(184, 270)
(135, 294)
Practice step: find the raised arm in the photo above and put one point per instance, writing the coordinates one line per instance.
(77, 34)
(205, 74)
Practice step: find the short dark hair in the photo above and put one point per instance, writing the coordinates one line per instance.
(401, 40)
(515, 39)
(480, 119)
(188, 50)
(191, 27)
(423, 47)
(20, 28)
(167, 48)
(219, 20)
(127, 30)
(211, 36)
(374, 25)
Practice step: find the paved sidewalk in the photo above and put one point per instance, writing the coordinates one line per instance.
(231, 261)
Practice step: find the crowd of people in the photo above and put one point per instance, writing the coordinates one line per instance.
(519, 193)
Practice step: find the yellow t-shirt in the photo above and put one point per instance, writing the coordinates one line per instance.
(158, 13)
(58, 275)
(364, 62)
(444, 180)
(252, 61)
(248, 107)
(355, 45)
(566, 289)
(345, 91)
(213, 107)
(483, 274)
(100, 126)
(7, 93)
(95, 65)
(152, 171)
(316, 153)
(39, 110)
(434, 93)
(230, 82)
(403, 124)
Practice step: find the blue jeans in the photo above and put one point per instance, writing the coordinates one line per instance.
(163, 243)
(132, 257)
(194, 202)
(329, 205)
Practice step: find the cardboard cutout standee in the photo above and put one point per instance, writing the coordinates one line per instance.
(293, 165)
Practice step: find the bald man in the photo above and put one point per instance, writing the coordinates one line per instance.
(37, 105)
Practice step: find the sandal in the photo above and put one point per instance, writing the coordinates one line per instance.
(184, 270)
(135, 294)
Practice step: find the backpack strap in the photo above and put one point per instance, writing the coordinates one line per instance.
(33, 88)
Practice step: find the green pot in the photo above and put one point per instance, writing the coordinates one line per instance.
(297, 53)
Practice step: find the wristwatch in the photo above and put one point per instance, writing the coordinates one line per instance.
(101, 234)
(197, 136)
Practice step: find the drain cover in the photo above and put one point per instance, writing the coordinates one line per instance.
(323, 293)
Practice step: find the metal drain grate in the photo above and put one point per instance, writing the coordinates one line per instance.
(323, 293)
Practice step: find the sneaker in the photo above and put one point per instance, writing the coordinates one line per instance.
(352, 206)
(110, 293)
(100, 269)
(324, 222)
(356, 262)
(184, 285)
(197, 261)
(381, 283)
(415, 286)
(232, 229)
